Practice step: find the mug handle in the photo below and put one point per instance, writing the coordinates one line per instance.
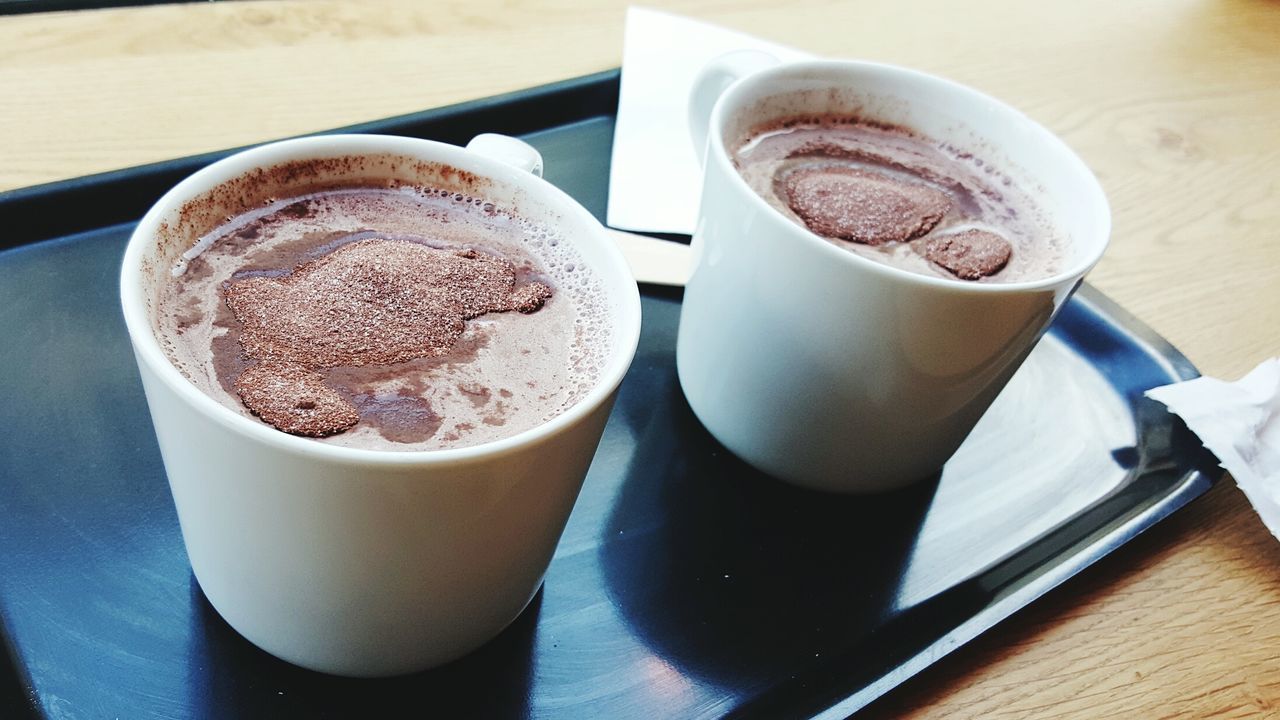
(508, 151)
(711, 82)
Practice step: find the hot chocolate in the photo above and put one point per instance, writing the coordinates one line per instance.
(899, 198)
(400, 318)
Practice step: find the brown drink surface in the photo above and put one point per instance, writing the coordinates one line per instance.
(894, 196)
(387, 318)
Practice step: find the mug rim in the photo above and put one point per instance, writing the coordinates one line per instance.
(624, 320)
(1090, 184)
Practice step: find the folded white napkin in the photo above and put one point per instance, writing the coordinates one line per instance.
(655, 180)
(1240, 423)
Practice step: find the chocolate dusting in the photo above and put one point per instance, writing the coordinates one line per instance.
(370, 302)
(863, 206)
(295, 399)
(969, 254)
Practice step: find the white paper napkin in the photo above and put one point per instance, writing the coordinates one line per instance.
(655, 179)
(1240, 423)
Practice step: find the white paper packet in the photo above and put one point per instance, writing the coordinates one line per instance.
(655, 180)
(1240, 423)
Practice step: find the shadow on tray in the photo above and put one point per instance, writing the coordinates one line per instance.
(232, 679)
(738, 579)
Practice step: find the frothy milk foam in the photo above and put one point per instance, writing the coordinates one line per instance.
(977, 194)
(508, 372)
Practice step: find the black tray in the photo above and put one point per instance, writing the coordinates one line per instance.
(686, 585)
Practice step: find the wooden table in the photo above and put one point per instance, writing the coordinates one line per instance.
(1174, 103)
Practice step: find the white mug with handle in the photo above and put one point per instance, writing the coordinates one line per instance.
(356, 561)
(827, 369)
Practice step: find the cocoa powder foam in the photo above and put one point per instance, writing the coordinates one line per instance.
(897, 197)
(501, 372)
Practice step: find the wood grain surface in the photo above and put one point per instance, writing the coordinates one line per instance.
(1175, 104)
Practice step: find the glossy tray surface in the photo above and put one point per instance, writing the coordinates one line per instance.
(685, 585)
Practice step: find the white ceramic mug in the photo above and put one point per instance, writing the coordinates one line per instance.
(830, 370)
(364, 562)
